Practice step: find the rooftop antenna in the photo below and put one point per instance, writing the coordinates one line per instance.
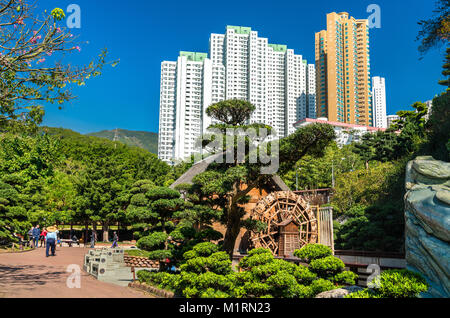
(116, 137)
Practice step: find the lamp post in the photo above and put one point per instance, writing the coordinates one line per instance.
(296, 178)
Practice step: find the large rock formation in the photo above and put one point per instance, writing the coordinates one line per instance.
(427, 217)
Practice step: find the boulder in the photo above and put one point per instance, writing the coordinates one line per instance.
(340, 292)
(427, 222)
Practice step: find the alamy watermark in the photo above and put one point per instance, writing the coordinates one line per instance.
(373, 281)
(375, 17)
(73, 20)
(74, 279)
(237, 146)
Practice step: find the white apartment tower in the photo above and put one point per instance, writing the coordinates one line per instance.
(241, 65)
(379, 102)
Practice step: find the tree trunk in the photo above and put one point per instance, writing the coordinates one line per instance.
(86, 233)
(105, 232)
(233, 229)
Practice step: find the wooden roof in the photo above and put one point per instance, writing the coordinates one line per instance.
(203, 165)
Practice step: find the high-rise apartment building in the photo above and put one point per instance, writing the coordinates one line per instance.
(241, 65)
(343, 70)
(379, 102)
(390, 119)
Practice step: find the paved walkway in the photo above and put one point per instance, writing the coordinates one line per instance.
(31, 274)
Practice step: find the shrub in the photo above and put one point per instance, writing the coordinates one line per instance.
(321, 285)
(212, 293)
(202, 249)
(395, 284)
(152, 241)
(253, 289)
(143, 276)
(218, 263)
(401, 284)
(365, 293)
(313, 251)
(303, 275)
(326, 267)
(255, 258)
(346, 277)
(282, 284)
(266, 270)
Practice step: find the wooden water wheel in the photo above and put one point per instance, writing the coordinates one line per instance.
(276, 210)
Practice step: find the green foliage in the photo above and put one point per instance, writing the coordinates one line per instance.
(309, 140)
(379, 228)
(321, 285)
(313, 172)
(231, 112)
(13, 217)
(326, 267)
(218, 263)
(152, 241)
(202, 250)
(256, 257)
(401, 284)
(207, 273)
(311, 252)
(439, 126)
(345, 277)
(395, 284)
(62, 176)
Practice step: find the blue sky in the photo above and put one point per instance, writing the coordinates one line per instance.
(143, 33)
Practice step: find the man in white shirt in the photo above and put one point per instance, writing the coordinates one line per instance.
(52, 235)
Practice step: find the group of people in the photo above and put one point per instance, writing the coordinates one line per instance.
(94, 239)
(48, 238)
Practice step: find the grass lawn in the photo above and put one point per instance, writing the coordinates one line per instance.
(136, 252)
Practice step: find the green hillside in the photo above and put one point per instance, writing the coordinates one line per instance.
(142, 139)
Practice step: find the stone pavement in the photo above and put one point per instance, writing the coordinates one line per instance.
(31, 274)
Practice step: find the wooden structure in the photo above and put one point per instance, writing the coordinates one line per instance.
(284, 212)
(316, 196)
(289, 239)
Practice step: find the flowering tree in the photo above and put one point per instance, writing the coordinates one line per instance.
(31, 68)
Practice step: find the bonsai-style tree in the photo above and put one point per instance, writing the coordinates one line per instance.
(165, 202)
(138, 211)
(226, 185)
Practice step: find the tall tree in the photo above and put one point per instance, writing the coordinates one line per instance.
(101, 193)
(165, 202)
(446, 70)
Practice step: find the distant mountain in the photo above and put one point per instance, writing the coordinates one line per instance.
(142, 139)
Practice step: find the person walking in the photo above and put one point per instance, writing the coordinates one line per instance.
(51, 240)
(43, 237)
(30, 236)
(115, 240)
(36, 234)
(93, 238)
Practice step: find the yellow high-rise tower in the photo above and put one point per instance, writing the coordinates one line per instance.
(343, 70)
